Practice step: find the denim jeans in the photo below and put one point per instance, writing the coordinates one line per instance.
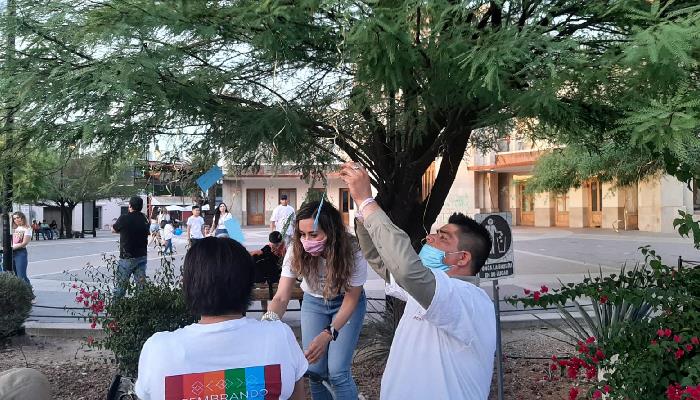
(127, 267)
(168, 247)
(316, 315)
(20, 261)
(221, 233)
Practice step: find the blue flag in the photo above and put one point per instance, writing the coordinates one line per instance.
(234, 230)
(210, 177)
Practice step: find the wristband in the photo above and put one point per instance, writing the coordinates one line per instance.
(362, 206)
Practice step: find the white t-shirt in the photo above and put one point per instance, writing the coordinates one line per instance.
(19, 234)
(244, 357)
(222, 220)
(453, 342)
(280, 215)
(168, 232)
(358, 277)
(195, 224)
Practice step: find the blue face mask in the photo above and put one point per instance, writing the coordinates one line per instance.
(433, 258)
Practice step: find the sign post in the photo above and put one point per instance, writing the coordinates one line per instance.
(499, 264)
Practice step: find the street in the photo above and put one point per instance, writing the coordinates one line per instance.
(542, 256)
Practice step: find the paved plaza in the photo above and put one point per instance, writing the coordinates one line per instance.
(542, 256)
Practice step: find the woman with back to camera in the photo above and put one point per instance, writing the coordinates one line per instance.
(221, 215)
(332, 267)
(224, 355)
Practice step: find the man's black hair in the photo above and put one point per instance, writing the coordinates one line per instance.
(474, 238)
(218, 277)
(275, 237)
(136, 203)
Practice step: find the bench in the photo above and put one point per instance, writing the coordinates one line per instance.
(263, 293)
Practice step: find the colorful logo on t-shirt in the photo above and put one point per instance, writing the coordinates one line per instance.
(252, 383)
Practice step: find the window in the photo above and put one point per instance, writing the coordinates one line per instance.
(562, 205)
(596, 197)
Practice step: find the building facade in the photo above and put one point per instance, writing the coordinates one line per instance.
(497, 181)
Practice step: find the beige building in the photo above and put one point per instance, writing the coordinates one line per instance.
(252, 197)
(496, 181)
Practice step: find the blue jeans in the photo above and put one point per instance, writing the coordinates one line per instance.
(20, 261)
(168, 247)
(127, 267)
(221, 233)
(335, 365)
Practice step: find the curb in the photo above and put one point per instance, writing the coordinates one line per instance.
(83, 330)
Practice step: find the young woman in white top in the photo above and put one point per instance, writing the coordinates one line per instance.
(221, 215)
(20, 239)
(333, 269)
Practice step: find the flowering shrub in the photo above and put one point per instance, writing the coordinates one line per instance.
(128, 322)
(640, 341)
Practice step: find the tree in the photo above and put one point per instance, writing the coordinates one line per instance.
(392, 84)
(65, 179)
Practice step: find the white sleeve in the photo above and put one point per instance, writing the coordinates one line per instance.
(298, 360)
(459, 307)
(359, 270)
(394, 290)
(273, 217)
(189, 221)
(143, 384)
(287, 264)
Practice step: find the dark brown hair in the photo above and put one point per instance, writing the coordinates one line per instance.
(218, 277)
(340, 250)
(473, 238)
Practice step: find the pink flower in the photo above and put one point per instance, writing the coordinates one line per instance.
(606, 388)
(597, 394)
(90, 340)
(678, 354)
(660, 332)
(590, 340)
(668, 332)
(688, 347)
(93, 325)
(654, 343)
(676, 338)
(544, 289)
(526, 291)
(695, 340)
(573, 393)
(536, 296)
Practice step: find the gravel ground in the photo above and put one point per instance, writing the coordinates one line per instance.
(78, 372)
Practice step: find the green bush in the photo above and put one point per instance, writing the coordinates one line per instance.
(15, 303)
(128, 322)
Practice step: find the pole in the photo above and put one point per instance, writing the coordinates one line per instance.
(8, 128)
(499, 348)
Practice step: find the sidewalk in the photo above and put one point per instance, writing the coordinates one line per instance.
(543, 256)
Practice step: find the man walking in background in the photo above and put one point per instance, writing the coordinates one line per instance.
(133, 241)
(195, 226)
(282, 219)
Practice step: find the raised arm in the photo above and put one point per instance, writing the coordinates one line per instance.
(391, 243)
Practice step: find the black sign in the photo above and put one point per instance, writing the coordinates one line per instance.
(501, 237)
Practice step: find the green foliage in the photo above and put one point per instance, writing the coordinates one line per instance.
(378, 334)
(389, 84)
(128, 322)
(15, 303)
(687, 226)
(642, 335)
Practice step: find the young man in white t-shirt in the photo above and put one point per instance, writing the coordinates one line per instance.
(446, 340)
(283, 215)
(224, 355)
(195, 225)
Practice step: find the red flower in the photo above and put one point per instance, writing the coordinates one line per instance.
(660, 332)
(695, 340)
(679, 353)
(544, 289)
(591, 372)
(599, 354)
(79, 299)
(93, 325)
(90, 340)
(668, 332)
(676, 338)
(689, 347)
(74, 286)
(573, 393)
(553, 367)
(654, 343)
(590, 340)
(606, 388)
(597, 394)
(603, 299)
(526, 291)
(536, 296)
(571, 372)
(673, 392)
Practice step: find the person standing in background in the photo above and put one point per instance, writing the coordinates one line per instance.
(195, 225)
(133, 241)
(283, 217)
(20, 239)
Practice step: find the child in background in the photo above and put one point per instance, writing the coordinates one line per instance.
(168, 233)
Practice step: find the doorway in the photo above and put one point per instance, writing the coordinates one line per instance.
(527, 206)
(596, 204)
(346, 204)
(562, 212)
(255, 206)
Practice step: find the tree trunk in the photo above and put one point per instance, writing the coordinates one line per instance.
(67, 215)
